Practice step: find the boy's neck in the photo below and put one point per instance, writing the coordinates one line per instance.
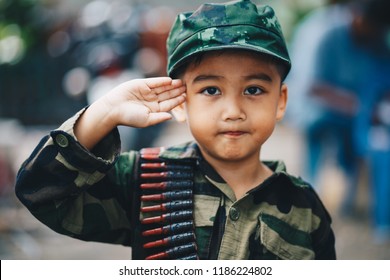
(241, 176)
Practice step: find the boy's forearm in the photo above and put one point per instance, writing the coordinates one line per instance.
(93, 125)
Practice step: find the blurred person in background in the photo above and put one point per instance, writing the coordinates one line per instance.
(305, 41)
(377, 123)
(303, 111)
(351, 70)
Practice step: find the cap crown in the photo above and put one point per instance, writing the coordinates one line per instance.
(236, 24)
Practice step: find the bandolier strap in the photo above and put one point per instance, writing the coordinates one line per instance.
(166, 207)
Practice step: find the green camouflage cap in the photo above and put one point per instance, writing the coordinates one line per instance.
(236, 24)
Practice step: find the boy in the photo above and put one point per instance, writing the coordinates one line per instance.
(210, 199)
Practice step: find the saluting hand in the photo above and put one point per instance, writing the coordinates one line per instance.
(144, 102)
(136, 103)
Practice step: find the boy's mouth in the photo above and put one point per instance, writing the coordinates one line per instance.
(233, 133)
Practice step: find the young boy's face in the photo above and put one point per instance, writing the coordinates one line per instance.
(234, 99)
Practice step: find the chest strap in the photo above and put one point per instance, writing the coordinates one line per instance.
(166, 207)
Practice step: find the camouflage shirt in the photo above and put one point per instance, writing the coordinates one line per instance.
(89, 196)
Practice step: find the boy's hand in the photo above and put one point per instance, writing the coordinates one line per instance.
(144, 102)
(137, 103)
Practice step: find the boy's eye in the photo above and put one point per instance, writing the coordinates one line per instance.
(253, 91)
(211, 91)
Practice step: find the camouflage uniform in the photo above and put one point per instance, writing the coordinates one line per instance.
(92, 195)
(89, 196)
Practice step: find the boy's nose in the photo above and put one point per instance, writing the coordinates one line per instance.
(233, 109)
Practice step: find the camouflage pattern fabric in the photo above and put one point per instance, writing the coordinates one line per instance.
(235, 24)
(89, 196)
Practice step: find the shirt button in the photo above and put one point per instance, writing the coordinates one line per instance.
(234, 214)
(62, 141)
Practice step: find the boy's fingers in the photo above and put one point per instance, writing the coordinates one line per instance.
(161, 84)
(151, 85)
(177, 83)
(163, 88)
(155, 118)
(157, 82)
(169, 104)
(172, 93)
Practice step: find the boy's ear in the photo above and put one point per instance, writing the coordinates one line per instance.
(179, 113)
(282, 102)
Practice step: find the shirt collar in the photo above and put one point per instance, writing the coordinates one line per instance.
(190, 150)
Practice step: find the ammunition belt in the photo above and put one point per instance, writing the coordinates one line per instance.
(166, 207)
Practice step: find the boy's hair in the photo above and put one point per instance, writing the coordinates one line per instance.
(237, 24)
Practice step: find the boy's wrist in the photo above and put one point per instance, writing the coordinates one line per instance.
(94, 124)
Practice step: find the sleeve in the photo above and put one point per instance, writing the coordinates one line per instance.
(86, 195)
(323, 237)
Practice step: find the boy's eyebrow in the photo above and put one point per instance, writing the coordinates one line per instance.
(258, 76)
(201, 78)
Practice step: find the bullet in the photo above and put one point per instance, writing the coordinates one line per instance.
(164, 166)
(178, 174)
(165, 196)
(151, 151)
(169, 185)
(169, 218)
(170, 229)
(171, 240)
(176, 252)
(168, 206)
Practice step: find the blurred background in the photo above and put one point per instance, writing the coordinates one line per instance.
(58, 56)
